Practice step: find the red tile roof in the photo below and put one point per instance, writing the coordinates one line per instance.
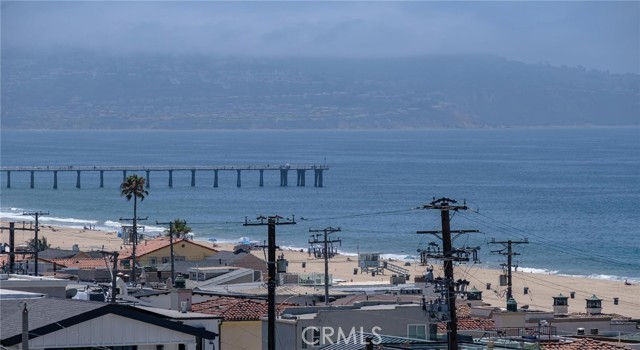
(582, 344)
(83, 264)
(151, 245)
(235, 309)
(466, 322)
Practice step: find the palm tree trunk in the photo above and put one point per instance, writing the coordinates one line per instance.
(135, 238)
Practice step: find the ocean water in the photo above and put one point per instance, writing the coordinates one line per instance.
(573, 193)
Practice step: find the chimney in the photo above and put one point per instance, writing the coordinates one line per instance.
(594, 305)
(474, 297)
(512, 305)
(180, 295)
(560, 305)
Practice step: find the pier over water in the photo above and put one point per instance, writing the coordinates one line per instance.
(282, 170)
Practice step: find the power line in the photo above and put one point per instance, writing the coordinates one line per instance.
(36, 214)
(326, 231)
(567, 250)
(509, 254)
(271, 223)
(134, 220)
(445, 206)
(12, 242)
(173, 269)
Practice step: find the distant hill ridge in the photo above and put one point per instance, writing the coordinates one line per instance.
(80, 90)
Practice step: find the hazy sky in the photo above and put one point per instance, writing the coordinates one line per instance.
(595, 34)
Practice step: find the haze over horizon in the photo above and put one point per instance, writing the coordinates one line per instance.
(595, 35)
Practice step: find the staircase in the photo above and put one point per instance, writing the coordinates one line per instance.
(396, 269)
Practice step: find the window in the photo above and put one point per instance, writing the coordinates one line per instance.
(154, 261)
(165, 259)
(179, 258)
(417, 331)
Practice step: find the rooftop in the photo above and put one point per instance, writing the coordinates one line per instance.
(235, 309)
(582, 344)
(42, 312)
(51, 314)
(152, 245)
(82, 264)
(466, 322)
(6, 294)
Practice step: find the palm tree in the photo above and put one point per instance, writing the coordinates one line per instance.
(39, 245)
(133, 187)
(180, 229)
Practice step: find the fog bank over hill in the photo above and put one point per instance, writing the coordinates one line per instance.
(82, 90)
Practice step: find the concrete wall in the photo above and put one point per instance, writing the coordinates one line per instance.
(44, 285)
(603, 325)
(241, 335)
(98, 275)
(163, 301)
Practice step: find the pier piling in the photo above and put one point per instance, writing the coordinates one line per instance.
(8, 179)
(78, 179)
(101, 178)
(215, 178)
(284, 177)
(238, 179)
(261, 177)
(148, 182)
(55, 179)
(301, 178)
(318, 178)
(32, 179)
(170, 178)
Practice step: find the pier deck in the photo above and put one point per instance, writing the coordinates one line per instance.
(300, 169)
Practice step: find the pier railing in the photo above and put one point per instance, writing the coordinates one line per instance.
(283, 169)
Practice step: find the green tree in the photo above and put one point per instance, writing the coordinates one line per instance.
(133, 187)
(40, 245)
(180, 229)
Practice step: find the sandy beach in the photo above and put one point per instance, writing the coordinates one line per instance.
(541, 287)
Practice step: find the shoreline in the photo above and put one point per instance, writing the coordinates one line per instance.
(109, 228)
(541, 288)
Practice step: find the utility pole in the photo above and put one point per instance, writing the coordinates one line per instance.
(114, 273)
(272, 222)
(36, 214)
(509, 253)
(134, 242)
(327, 231)
(445, 205)
(173, 269)
(25, 327)
(12, 244)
